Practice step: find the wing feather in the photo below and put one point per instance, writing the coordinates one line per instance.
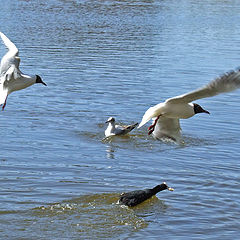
(9, 44)
(11, 58)
(122, 130)
(150, 113)
(225, 83)
(3, 91)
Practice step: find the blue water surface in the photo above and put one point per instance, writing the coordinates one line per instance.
(59, 180)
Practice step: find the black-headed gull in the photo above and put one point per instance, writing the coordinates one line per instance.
(113, 130)
(134, 198)
(166, 115)
(11, 78)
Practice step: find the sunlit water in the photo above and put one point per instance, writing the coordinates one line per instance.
(59, 180)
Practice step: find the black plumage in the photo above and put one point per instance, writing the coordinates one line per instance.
(133, 198)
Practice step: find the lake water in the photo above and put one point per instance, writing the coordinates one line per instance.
(58, 180)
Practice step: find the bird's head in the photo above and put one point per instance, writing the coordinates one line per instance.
(110, 120)
(198, 109)
(39, 80)
(162, 187)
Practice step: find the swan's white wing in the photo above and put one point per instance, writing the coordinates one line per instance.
(226, 83)
(167, 128)
(11, 57)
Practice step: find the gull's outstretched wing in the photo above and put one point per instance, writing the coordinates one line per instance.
(167, 128)
(225, 83)
(11, 58)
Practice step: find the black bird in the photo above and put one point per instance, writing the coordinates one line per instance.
(133, 198)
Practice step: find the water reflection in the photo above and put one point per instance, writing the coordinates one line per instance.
(104, 58)
(110, 152)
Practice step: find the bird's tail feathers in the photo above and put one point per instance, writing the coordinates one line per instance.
(131, 127)
(149, 114)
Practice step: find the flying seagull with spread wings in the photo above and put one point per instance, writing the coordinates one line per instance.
(11, 78)
(166, 115)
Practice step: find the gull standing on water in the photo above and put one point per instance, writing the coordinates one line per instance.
(113, 130)
(166, 115)
(11, 78)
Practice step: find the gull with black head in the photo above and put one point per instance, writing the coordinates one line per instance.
(11, 78)
(166, 115)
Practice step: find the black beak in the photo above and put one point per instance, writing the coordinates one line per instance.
(206, 111)
(39, 80)
(44, 83)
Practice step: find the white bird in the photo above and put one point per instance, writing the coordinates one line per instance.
(11, 78)
(113, 130)
(166, 115)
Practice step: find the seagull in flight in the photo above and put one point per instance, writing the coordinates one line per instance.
(113, 130)
(166, 115)
(11, 78)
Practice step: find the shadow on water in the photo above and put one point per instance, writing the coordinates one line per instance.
(88, 216)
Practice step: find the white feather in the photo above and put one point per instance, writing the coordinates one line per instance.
(181, 107)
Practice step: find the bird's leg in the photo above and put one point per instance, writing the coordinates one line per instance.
(4, 105)
(152, 127)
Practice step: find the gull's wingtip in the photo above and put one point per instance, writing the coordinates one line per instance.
(141, 124)
(2, 35)
(8, 43)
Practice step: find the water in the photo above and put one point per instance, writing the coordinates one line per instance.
(117, 58)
